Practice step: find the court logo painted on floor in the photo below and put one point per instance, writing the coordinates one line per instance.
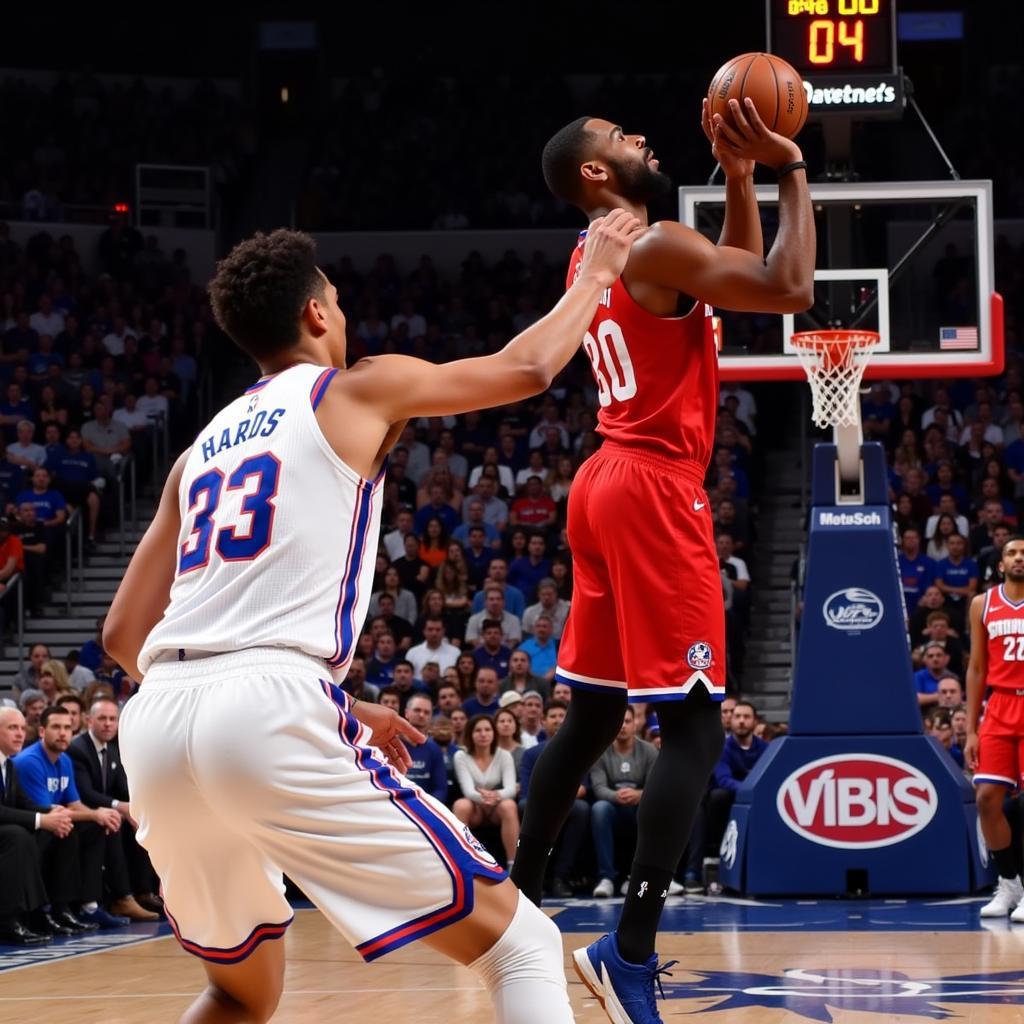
(815, 994)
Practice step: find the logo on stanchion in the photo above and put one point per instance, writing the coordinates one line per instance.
(853, 610)
(730, 841)
(857, 801)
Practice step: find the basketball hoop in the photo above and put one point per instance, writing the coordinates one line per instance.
(834, 362)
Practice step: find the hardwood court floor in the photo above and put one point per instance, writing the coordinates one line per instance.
(852, 969)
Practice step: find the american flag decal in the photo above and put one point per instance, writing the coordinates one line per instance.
(952, 338)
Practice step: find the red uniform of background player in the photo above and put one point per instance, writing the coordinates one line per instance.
(996, 752)
(647, 610)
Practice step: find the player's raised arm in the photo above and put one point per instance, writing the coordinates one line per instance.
(674, 256)
(142, 597)
(403, 387)
(976, 671)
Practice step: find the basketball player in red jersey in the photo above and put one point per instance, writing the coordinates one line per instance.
(647, 620)
(995, 753)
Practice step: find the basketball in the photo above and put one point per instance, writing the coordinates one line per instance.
(774, 86)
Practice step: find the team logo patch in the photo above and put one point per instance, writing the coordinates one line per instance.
(853, 610)
(476, 845)
(879, 995)
(699, 655)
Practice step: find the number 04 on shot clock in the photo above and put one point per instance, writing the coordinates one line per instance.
(845, 50)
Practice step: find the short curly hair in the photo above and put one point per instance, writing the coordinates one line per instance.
(261, 288)
(561, 159)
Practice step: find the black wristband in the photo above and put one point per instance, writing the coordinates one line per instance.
(796, 165)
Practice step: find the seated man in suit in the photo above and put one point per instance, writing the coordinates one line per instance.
(48, 777)
(22, 890)
(102, 782)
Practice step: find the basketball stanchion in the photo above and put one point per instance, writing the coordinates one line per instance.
(856, 800)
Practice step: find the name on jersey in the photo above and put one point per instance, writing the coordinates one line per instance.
(263, 424)
(1005, 627)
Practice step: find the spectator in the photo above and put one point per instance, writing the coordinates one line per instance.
(12, 561)
(506, 725)
(550, 604)
(13, 410)
(452, 581)
(521, 678)
(28, 677)
(405, 602)
(526, 573)
(936, 668)
(391, 698)
(355, 683)
(473, 511)
(106, 440)
(394, 541)
(25, 452)
(75, 708)
(531, 718)
(32, 704)
(101, 781)
(91, 653)
(574, 832)
(494, 610)
(487, 778)
(957, 577)
(727, 520)
(515, 601)
(944, 527)
(428, 765)
(495, 510)
(380, 670)
(917, 570)
(937, 630)
(938, 723)
(492, 467)
(485, 694)
(78, 675)
(479, 555)
(23, 894)
(618, 781)
(439, 509)
(492, 652)
(75, 471)
(741, 752)
(448, 698)
(443, 734)
(535, 508)
(534, 468)
(402, 629)
(990, 557)
(53, 681)
(433, 648)
(562, 692)
(51, 508)
(47, 775)
(434, 543)
(951, 693)
(542, 647)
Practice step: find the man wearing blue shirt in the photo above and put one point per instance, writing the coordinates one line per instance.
(917, 570)
(741, 752)
(438, 508)
(13, 409)
(75, 469)
(51, 508)
(474, 511)
(957, 577)
(542, 647)
(428, 768)
(497, 576)
(492, 653)
(47, 776)
(527, 572)
(936, 668)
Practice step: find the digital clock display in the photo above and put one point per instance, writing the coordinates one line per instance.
(826, 37)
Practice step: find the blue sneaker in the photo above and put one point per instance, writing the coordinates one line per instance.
(625, 990)
(102, 919)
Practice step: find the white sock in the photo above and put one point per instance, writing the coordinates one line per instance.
(523, 971)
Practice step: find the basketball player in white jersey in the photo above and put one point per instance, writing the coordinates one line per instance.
(240, 611)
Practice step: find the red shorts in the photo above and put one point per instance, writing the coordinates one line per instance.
(1001, 739)
(647, 614)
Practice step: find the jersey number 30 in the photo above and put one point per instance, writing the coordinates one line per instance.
(232, 544)
(613, 369)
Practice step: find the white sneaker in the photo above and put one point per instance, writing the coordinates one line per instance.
(1017, 917)
(1008, 895)
(676, 888)
(604, 889)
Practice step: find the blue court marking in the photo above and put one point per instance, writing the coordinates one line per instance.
(723, 913)
(13, 958)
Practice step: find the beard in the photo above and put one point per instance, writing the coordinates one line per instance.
(640, 182)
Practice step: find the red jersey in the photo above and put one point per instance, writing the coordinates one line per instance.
(1004, 623)
(657, 377)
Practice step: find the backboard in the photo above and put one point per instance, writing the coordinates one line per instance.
(912, 260)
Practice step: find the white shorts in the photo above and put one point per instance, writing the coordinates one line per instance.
(246, 765)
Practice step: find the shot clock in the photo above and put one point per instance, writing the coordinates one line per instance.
(844, 49)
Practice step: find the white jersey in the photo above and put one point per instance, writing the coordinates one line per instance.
(275, 531)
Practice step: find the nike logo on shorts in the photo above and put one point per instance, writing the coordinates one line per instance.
(697, 505)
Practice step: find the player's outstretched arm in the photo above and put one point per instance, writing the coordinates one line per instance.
(976, 670)
(402, 387)
(674, 256)
(145, 590)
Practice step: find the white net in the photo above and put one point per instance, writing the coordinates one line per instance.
(834, 362)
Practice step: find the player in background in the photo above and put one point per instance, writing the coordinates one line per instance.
(244, 760)
(647, 614)
(995, 752)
